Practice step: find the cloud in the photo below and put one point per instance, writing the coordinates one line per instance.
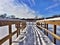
(56, 0)
(31, 2)
(52, 6)
(19, 10)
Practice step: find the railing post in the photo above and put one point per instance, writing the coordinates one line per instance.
(10, 31)
(41, 24)
(47, 29)
(18, 28)
(44, 27)
(54, 33)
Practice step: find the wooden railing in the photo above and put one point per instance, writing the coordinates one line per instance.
(55, 22)
(9, 23)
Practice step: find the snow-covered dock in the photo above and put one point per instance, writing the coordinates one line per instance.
(32, 36)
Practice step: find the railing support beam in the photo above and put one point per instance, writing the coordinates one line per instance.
(10, 31)
(54, 33)
(44, 27)
(47, 29)
(18, 28)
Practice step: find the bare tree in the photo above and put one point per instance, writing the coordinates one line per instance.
(3, 15)
(12, 16)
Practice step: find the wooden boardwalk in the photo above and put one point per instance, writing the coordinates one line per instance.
(34, 28)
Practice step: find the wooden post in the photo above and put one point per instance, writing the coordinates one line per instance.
(54, 33)
(47, 29)
(10, 31)
(41, 24)
(44, 27)
(18, 29)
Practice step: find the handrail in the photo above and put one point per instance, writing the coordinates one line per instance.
(9, 22)
(7, 37)
(54, 35)
(54, 21)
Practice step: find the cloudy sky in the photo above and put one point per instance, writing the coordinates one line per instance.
(30, 8)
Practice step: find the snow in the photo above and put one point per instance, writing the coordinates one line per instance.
(13, 28)
(4, 31)
(8, 19)
(52, 19)
(32, 37)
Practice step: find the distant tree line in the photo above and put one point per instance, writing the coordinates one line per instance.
(54, 16)
(13, 16)
(5, 16)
